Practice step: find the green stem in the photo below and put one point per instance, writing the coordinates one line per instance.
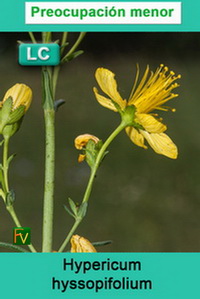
(57, 68)
(50, 77)
(49, 119)
(5, 164)
(46, 37)
(76, 44)
(74, 227)
(91, 179)
(99, 159)
(63, 42)
(32, 37)
(55, 79)
(10, 207)
(49, 116)
(12, 213)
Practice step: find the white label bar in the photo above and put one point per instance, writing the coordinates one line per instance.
(103, 13)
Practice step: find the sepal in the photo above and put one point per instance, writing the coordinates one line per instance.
(5, 112)
(10, 198)
(10, 130)
(128, 115)
(91, 151)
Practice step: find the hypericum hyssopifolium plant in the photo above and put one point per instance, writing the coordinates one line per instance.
(138, 119)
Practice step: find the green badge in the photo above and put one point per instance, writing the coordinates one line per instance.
(21, 235)
(39, 54)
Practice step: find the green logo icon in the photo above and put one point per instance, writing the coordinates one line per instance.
(21, 235)
(39, 54)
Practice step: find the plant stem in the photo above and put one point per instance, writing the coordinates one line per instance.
(91, 179)
(57, 68)
(49, 116)
(49, 119)
(12, 213)
(99, 159)
(10, 207)
(74, 227)
(63, 42)
(5, 164)
(55, 79)
(76, 44)
(46, 37)
(32, 37)
(50, 77)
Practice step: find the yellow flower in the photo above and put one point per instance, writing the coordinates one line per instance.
(13, 107)
(21, 95)
(80, 244)
(81, 141)
(154, 90)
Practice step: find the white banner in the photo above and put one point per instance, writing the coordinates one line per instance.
(103, 13)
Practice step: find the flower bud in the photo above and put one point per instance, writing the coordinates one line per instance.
(21, 95)
(13, 107)
(90, 146)
(80, 244)
(82, 140)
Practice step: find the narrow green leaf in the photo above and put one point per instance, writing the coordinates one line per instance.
(102, 243)
(64, 45)
(10, 158)
(69, 212)
(2, 181)
(72, 206)
(1, 176)
(13, 247)
(1, 172)
(58, 103)
(2, 194)
(105, 154)
(71, 56)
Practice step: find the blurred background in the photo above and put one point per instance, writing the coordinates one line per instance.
(141, 201)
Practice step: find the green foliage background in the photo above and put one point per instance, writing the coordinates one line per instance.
(141, 201)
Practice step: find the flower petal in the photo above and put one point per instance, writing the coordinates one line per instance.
(21, 95)
(161, 144)
(104, 101)
(80, 244)
(135, 136)
(81, 140)
(81, 158)
(108, 84)
(150, 123)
